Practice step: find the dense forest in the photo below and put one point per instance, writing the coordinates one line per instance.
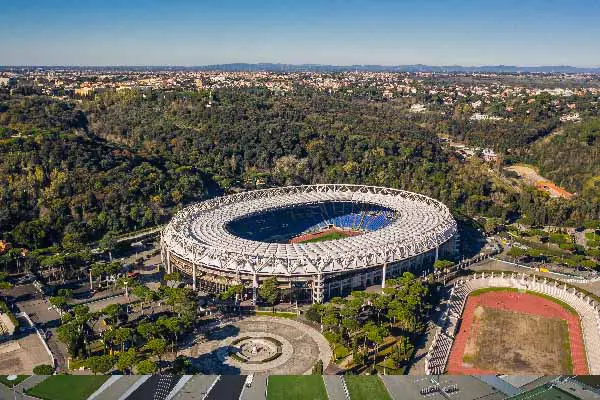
(127, 160)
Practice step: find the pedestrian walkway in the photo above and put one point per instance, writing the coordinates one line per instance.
(334, 387)
(118, 388)
(30, 382)
(196, 388)
(109, 382)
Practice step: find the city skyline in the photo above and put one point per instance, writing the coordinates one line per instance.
(334, 32)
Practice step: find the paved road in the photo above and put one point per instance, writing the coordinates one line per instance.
(227, 387)
(196, 388)
(334, 387)
(157, 387)
(258, 390)
(118, 388)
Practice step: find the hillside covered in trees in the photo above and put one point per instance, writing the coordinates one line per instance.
(75, 170)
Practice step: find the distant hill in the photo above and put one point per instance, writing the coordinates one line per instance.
(398, 68)
(274, 67)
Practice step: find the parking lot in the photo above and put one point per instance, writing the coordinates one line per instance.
(26, 298)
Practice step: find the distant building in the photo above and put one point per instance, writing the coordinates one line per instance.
(7, 327)
(84, 91)
(573, 117)
(4, 246)
(417, 108)
(484, 117)
(489, 155)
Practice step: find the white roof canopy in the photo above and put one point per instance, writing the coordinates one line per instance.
(198, 234)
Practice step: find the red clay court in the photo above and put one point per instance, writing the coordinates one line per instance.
(514, 338)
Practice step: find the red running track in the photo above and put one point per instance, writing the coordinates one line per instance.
(517, 302)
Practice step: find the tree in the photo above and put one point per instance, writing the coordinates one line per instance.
(402, 351)
(441, 265)
(112, 311)
(59, 302)
(144, 293)
(121, 336)
(127, 360)
(174, 326)
(318, 368)
(314, 313)
(147, 330)
(377, 335)
(145, 367)
(182, 365)
(157, 347)
(100, 364)
(108, 243)
(43, 369)
(71, 335)
(174, 276)
(269, 291)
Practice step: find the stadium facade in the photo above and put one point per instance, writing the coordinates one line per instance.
(248, 237)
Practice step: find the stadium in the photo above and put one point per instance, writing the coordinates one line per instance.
(320, 241)
(492, 319)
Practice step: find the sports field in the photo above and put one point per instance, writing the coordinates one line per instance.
(517, 333)
(296, 387)
(67, 387)
(327, 234)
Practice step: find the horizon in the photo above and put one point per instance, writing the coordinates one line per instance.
(308, 64)
(333, 32)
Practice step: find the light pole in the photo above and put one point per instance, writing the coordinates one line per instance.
(12, 378)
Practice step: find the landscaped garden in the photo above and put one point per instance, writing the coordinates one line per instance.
(20, 378)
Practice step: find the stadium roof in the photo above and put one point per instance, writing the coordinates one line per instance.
(198, 234)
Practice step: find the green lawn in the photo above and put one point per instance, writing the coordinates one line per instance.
(329, 236)
(289, 315)
(362, 387)
(6, 382)
(67, 387)
(296, 387)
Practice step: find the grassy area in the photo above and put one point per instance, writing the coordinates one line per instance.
(544, 393)
(296, 387)
(366, 388)
(6, 382)
(67, 387)
(542, 248)
(289, 315)
(341, 351)
(387, 366)
(567, 359)
(329, 236)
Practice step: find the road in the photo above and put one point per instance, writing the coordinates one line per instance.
(227, 387)
(157, 387)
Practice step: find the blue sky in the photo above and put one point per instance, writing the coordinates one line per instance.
(389, 32)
